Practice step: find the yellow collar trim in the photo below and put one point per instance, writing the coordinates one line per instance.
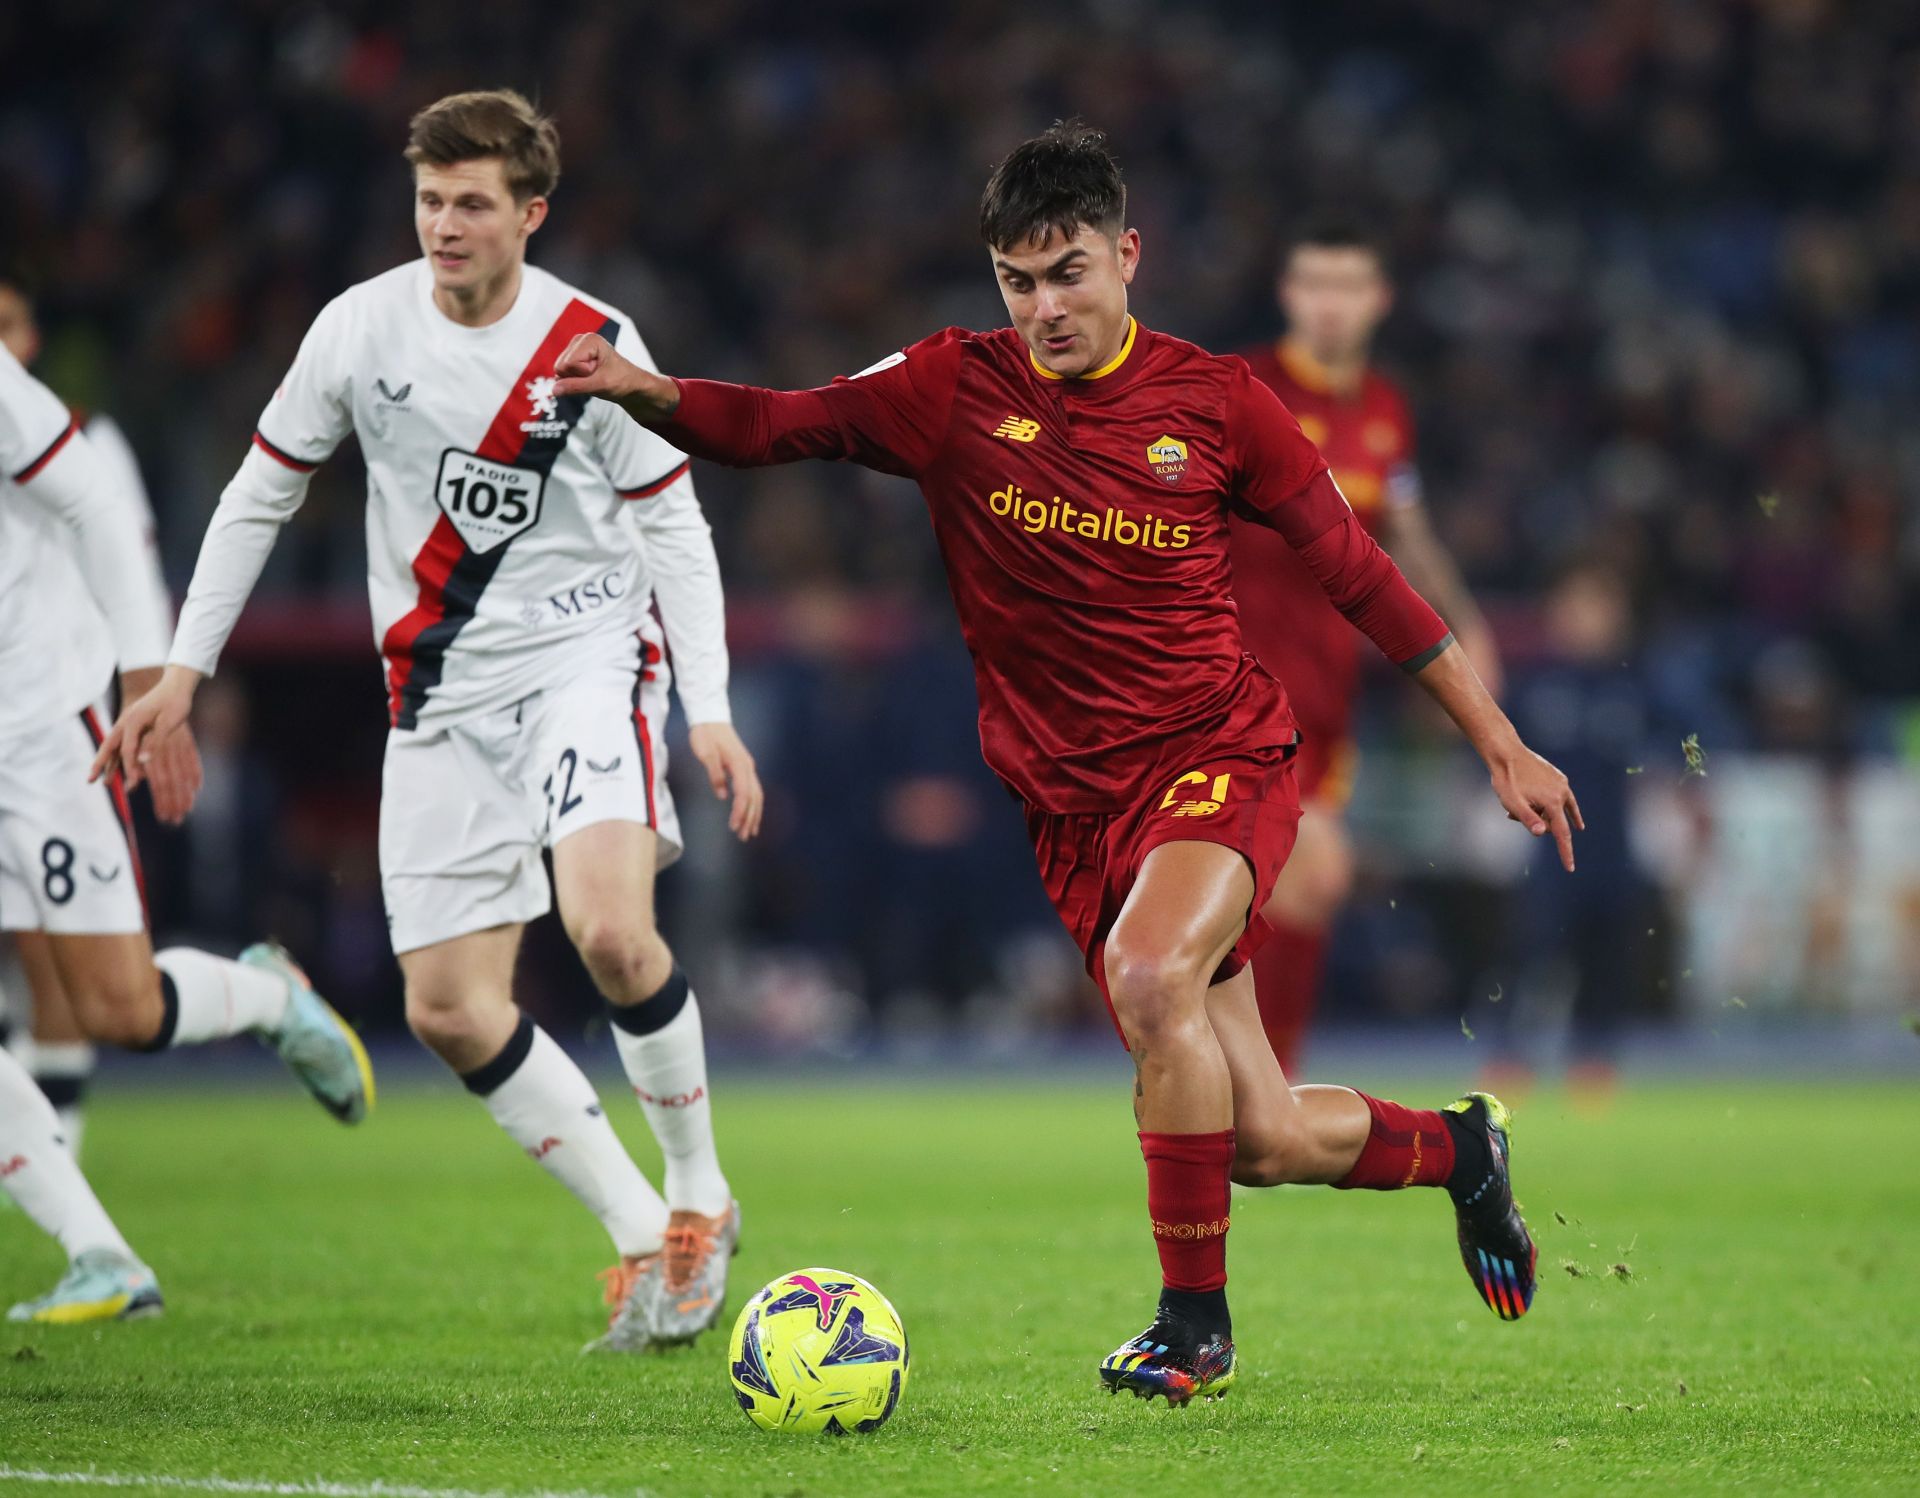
(1133, 329)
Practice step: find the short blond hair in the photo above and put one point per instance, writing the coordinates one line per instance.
(490, 122)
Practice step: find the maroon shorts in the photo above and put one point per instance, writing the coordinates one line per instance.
(1245, 800)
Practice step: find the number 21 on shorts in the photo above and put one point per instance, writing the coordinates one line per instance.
(1197, 806)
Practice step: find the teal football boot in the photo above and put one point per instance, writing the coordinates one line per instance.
(99, 1285)
(319, 1047)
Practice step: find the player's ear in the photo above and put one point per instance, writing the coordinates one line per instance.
(1127, 247)
(533, 213)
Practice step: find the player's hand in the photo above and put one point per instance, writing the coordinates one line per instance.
(592, 366)
(1537, 796)
(146, 725)
(731, 773)
(173, 774)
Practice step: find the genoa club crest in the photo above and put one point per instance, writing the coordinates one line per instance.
(1167, 457)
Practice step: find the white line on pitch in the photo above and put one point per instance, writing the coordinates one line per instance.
(314, 1489)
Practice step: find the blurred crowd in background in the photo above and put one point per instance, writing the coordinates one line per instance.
(1658, 265)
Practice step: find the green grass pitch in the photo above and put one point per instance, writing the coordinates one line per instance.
(403, 1305)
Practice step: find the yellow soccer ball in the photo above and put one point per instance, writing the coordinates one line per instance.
(818, 1350)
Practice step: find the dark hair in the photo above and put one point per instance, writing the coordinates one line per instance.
(1332, 233)
(490, 122)
(1064, 180)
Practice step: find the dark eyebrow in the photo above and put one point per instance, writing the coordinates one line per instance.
(1077, 252)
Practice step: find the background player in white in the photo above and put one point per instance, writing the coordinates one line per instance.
(68, 865)
(47, 1034)
(526, 685)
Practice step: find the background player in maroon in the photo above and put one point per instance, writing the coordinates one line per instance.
(1078, 470)
(1334, 291)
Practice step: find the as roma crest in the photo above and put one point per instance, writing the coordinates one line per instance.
(1167, 457)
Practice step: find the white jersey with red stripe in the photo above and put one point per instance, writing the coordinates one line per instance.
(73, 554)
(501, 560)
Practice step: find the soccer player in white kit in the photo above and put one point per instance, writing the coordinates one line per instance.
(515, 542)
(51, 1044)
(68, 864)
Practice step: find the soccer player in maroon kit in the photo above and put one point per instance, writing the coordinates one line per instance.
(1334, 290)
(1079, 470)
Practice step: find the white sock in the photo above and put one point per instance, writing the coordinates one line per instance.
(549, 1108)
(218, 998)
(668, 1069)
(62, 1069)
(41, 1175)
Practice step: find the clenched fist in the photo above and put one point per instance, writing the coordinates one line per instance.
(592, 366)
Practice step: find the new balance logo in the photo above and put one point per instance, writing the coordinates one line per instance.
(1018, 429)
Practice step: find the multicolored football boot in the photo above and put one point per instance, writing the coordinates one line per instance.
(629, 1289)
(690, 1291)
(1496, 1247)
(1171, 1359)
(318, 1046)
(99, 1285)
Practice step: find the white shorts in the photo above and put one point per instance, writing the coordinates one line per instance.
(466, 810)
(68, 861)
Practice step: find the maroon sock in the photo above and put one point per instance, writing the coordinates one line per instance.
(1405, 1147)
(1189, 1183)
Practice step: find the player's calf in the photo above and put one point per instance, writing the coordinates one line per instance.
(120, 1006)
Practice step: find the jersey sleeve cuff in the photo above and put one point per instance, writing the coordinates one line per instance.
(33, 469)
(1427, 657)
(706, 708)
(654, 486)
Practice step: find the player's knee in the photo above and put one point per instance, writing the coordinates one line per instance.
(623, 954)
(1154, 990)
(444, 1023)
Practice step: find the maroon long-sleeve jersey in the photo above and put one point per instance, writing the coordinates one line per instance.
(1083, 523)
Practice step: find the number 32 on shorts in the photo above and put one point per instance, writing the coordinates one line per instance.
(1197, 806)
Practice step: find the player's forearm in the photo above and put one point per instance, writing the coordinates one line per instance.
(1362, 582)
(120, 471)
(744, 426)
(1449, 678)
(678, 546)
(110, 551)
(261, 498)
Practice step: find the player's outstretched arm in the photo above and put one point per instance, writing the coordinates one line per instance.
(1535, 794)
(890, 417)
